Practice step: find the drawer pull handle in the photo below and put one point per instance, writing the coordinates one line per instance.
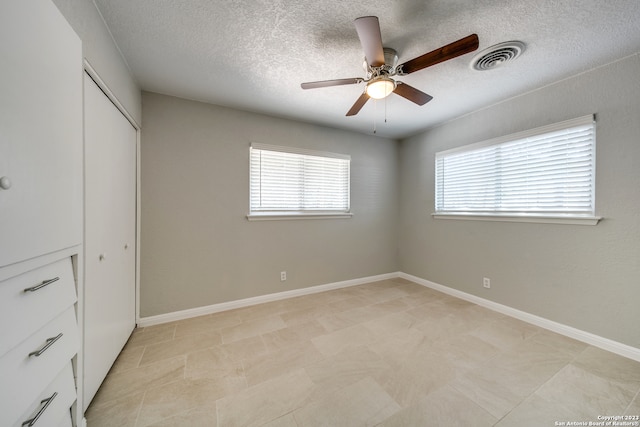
(41, 285)
(46, 346)
(46, 402)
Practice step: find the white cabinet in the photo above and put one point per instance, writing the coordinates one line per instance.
(34, 364)
(50, 289)
(41, 214)
(51, 407)
(39, 336)
(40, 131)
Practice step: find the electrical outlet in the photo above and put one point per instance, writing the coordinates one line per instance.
(283, 276)
(486, 282)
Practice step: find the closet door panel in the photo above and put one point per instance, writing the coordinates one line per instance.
(110, 215)
(40, 131)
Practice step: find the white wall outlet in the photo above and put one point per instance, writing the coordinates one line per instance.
(486, 282)
(283, 276)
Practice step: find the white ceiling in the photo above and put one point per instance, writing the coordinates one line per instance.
(253, 54)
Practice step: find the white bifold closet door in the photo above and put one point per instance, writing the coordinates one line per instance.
(110, 235)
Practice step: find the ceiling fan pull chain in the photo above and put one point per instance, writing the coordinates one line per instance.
(375, 111)
(385, 109)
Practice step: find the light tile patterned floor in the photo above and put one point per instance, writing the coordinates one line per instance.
(388, 353)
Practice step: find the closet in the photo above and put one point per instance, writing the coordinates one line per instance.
(40, 215)
(110, 234)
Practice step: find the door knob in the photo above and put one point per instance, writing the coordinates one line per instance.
(5, 183)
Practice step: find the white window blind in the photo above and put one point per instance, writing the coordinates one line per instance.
(290, 180)
(545, 171)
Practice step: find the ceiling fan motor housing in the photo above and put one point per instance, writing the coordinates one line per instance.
(390, 62)
(390, 57)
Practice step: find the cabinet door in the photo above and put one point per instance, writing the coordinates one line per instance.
(40, 131)
(110, 235)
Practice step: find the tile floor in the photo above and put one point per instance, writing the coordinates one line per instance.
(389, 353)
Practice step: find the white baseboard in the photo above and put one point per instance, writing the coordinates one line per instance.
(568, 331)
(571, 332)
(246, 302)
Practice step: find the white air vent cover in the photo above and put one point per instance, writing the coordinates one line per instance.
(497, 55)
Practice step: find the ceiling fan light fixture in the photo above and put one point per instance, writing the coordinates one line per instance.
(380, 87)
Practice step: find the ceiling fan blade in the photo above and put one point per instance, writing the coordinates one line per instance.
(359, 104)
(450, 51)
(328, 83)
(368, 29)
(412, 94)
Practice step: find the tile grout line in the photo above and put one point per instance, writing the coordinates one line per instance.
(144, 396)
(144, 349)
(140, 409)
(547, 381)
(637, 396)
(501, 351)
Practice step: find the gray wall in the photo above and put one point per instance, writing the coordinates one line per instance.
(199, 249)
(587, 277)
(101, 52)
(197, 246)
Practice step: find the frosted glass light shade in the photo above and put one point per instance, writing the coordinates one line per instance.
(380, 87)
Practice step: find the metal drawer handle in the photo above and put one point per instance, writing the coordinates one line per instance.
(41, 285)
(46, 346)
(46, 402)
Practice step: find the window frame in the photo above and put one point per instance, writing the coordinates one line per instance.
(535, 217)
(299, 214)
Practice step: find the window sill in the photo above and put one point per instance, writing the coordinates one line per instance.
(277, 216)
(543, 219)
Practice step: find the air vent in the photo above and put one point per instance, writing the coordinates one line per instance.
(497, 55)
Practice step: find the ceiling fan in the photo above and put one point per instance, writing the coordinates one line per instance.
(380, 66)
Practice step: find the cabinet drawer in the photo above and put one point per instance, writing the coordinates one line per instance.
(25, 374)
(24, 312)
(57, 408)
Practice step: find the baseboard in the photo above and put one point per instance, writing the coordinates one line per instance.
(577, 334)
(246, 302)
(571, 332)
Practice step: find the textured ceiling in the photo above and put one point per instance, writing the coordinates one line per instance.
(253, 54)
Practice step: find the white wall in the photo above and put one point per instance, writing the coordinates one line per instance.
(587, 277)
(101, 52)
(197, 246)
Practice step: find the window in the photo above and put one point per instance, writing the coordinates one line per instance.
(547, 172)
(286, 182)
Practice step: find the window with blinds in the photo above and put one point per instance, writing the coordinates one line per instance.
(287, 180)
(548, 171)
